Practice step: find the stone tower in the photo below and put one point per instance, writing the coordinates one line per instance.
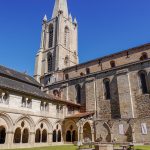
(59, 42)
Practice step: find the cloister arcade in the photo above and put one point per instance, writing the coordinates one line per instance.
(24, 131)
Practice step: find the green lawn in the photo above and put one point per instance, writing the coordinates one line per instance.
(142, 147)
(70, 147)
(64, 147)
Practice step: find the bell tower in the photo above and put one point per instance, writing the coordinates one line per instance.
(59, 42)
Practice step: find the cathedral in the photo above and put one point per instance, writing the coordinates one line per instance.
(102, 100)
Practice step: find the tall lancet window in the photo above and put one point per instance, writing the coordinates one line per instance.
(50, 62)
(107, 89)
(78, 93)
(66, 37)
(143, 81)
(51, 35)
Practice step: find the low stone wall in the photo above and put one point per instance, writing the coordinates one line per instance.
(104, 147)
(123, 130)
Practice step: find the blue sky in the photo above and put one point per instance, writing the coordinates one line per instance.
(105, 26)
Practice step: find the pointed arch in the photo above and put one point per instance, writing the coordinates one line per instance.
(8, 121)
(66, 37)
(47, 122)
(38, 136)
(17, 135)
(51, 34)
(143, 81)
(44, 136)
(87, 135)
(49, 62)
(54, 136)
(25, 136)
(68, 136)
(78, 93)
(70, 132)
(74, 136)
(59, 136)
(2, 134)
(107, 89)
(27, 119)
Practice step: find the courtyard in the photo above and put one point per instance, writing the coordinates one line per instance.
(70, 147)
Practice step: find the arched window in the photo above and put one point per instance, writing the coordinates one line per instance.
(59, 136)
(112, 64)
(74, 136)
(66, 61)
(17, 136)
(68, 136)
(44, 136)
(42, 106)
(107, 89)
(46, 106)
(143, 81)
(87, 70)
(25, 136)
(29, 103)
(6, 98)
(81, 74)
(66, 76)
(2, 135)
(50, 36)
(54, 136)
(78, 93)
(144, 56)
(50, 62)
(66, 37)
(87, 136)
(38, 136)
(56, 93)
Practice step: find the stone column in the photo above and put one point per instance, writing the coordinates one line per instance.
(9, 138)
(81, 134)
(112, 135)
(132, 127)
(125, 94)
(50, 138)
(133, 133)
(92, 133)
(32, 138)
(78, 134)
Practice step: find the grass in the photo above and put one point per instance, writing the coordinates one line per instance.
(142, 147)
(70, 147)
(64, 147)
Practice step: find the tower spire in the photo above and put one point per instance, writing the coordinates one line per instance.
(60, 5)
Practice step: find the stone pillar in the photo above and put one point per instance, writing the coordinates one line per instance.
(124, 93)
(133, 134)
(90, 94)
(32, 138)
(92, 133)
(50, 138)
(9, 139)
(81, 134)
(112, 135)
(78, 133)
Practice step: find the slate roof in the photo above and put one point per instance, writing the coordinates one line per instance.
(25, 84)
(18, 76)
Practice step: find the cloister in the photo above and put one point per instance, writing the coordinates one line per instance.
(25, 132)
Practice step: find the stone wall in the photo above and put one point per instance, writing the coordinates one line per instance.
(124, 89)
(122, 58)
(123, 130)
(143, 105)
